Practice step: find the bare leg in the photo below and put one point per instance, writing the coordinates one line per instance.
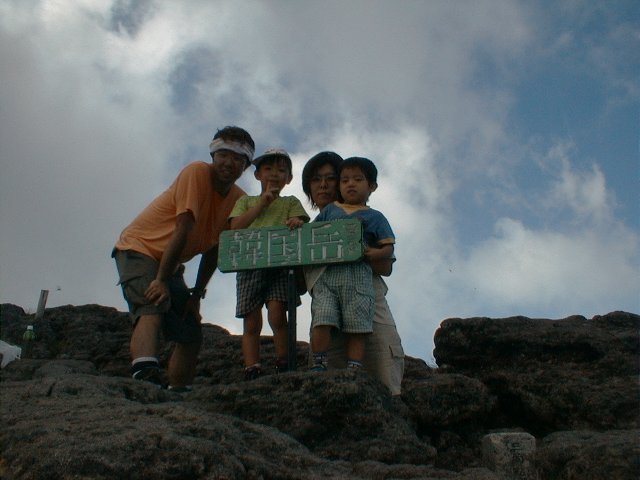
(355, 346)
(320, 338)
(144, 339)
(251, 337)
(182, 364)
(278, 321)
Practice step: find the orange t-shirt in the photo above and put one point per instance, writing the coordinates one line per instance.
(192, 191)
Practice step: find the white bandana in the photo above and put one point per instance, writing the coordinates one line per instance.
(238, 147)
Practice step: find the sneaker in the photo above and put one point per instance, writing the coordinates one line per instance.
(253, 372)
(353, 365)
(151, 375)
(318, 368)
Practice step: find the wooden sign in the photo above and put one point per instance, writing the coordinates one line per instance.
(315, 243)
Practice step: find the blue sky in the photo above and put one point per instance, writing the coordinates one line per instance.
(506, 134)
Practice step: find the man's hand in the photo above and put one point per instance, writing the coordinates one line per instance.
(157, 292)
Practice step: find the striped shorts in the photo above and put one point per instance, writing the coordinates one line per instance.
(344, 297)
(257, 287)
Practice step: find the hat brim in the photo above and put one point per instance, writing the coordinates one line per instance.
(261, 158)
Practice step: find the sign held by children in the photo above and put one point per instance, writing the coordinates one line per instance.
(316, 243)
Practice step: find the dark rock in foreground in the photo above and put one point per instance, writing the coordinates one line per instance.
(71, 411)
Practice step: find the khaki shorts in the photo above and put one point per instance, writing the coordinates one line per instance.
(136, 271)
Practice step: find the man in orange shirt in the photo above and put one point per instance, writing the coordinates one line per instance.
(180, 223)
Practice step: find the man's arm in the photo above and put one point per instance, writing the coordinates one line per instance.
(208, 265)
(158, 290)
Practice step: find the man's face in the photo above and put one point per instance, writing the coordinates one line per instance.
(228, 165)
(324, 186)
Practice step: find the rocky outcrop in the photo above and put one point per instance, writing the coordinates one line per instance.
(550, 375)
(71, 411)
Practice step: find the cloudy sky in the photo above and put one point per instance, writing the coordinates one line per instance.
(506, 134)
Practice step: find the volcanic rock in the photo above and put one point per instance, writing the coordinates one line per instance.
(72, 411)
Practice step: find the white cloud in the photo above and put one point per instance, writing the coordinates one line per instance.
(528, 272)
(581, 260)
(586, 194)
(101, 106)
(581, 192)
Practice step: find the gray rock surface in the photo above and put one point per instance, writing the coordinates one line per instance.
(510, 455)
(73, 412)
(550, 375)
(589, 455)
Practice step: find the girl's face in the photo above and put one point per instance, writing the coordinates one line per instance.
(324, 186)
(354, 186)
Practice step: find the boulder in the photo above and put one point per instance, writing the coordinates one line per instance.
(72, 411)
(550, 375)
(589, 455)
(511, 455)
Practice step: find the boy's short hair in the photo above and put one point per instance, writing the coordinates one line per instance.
(313, 165)
(367, 166)
(271, 155)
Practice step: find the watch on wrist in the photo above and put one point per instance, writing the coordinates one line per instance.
(198, 292)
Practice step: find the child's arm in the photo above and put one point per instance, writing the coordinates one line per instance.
(383, 266)
(374, 254)
(247, 218)
(381, 259)
(298, 215)
(295, 222)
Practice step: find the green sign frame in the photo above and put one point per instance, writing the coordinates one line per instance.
(315, 243)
